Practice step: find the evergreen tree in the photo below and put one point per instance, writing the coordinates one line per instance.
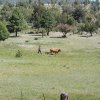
(17, 22)
(4, 34)
(37, 14)
(48, 21)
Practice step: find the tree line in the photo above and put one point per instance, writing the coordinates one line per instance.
(63, 16)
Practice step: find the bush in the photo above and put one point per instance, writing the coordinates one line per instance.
(4, 34)
(18, 53)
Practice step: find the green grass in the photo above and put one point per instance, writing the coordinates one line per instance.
(76, 70)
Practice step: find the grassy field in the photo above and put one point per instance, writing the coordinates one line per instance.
(75, 70)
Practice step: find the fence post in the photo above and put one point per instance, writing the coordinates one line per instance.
(63, 96)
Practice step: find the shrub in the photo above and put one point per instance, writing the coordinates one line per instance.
(18, 53)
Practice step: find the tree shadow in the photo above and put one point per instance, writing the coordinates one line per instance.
(14, 36)
(36, 35)
(86, 36)
(30, 33)
(59, 37)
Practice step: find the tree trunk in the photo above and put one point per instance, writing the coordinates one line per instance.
(73, 32)
(38, 30)
(48, 32)
(91, 34)
(16, 33)
(64, 35)
(81, 33)
(42, 34)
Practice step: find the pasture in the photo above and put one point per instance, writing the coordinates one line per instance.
(75, 70)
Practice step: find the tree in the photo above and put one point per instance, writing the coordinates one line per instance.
(4, 34)
(56, 13)
(6, 11)
(22, 4)
(95, 5)
(76, 2)
(89, 17)
(1, 2)
(40, 2)
(70, 20)
(98, 20)
(98, 5)
(78, 13)
(53, 2)
(48, 21)
(64, 28)
(68, 9)
(63, 18)
(66, 19)
(43, 18)
(27, 16)
(17, 22)
(37, 15)
(87, 27)
(86, 2)
(30, 1)
(81, 28)
(90, 27)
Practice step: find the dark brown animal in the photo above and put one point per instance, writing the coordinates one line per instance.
(55, 50)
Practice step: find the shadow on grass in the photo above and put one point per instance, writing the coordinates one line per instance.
(58, 37)
(36, 35)
(14, 36)
(86, 36)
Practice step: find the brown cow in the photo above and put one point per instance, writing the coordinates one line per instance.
(55, 50)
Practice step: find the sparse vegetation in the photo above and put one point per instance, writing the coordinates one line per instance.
(18, 54)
